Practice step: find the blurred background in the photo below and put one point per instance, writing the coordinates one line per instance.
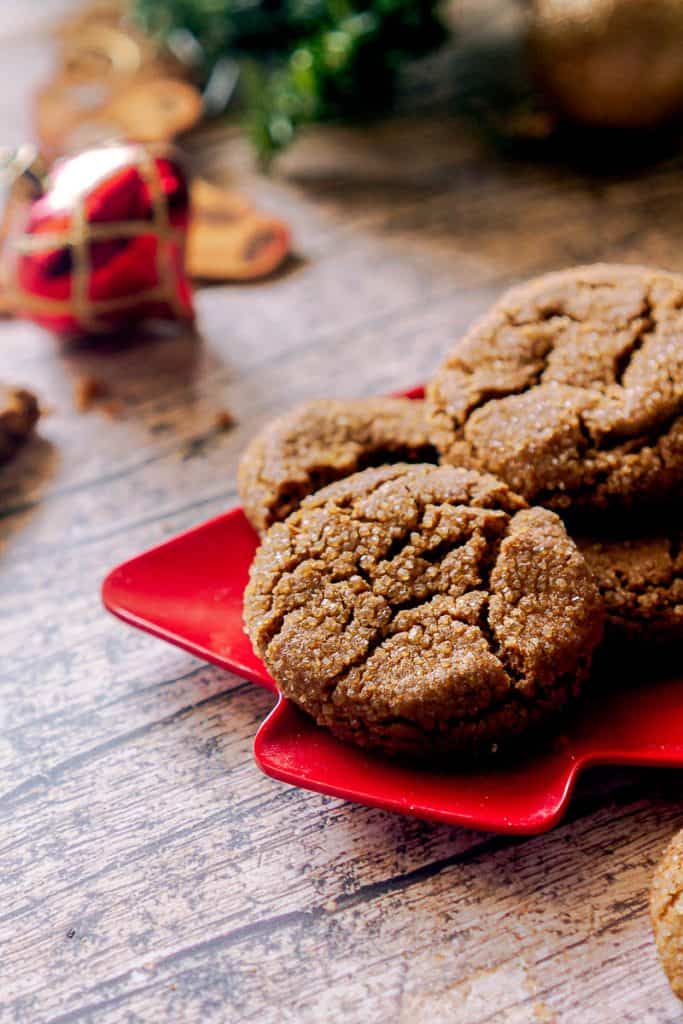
(544, 76)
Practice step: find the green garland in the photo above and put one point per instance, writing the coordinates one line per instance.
(299, 61)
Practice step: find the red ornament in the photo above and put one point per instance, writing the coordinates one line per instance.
(103, 246)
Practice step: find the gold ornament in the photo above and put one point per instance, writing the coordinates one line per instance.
(616, 63)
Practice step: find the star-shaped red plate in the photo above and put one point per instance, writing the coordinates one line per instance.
(189, 590)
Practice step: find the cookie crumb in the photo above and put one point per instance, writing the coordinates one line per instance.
(162, 427)
(542, 1012)
(113, 409)
(88, 391)
(224, 420)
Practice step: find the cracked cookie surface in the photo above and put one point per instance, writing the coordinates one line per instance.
(641, 582)
(322, 441)
(571, 389)
(18, 416)
(423, 610)
(666, 909)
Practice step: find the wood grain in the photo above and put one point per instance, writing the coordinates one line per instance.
(148, 872)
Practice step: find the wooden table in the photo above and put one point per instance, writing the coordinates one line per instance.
(148, 871)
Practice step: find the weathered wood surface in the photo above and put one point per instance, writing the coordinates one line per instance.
(148, 871)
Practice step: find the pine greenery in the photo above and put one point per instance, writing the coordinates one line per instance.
(300, 61)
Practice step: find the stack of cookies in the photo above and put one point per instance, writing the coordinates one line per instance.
(571, 390)
(434, 576)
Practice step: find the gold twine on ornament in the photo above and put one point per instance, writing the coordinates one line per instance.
(40, 304)
(96, 233)
(149, 172)
(81, 266)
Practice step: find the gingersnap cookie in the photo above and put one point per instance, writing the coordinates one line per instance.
(18, 416)
(641, 582)
(666, 909)
(321, 441)
(571, 389)
(423, 610)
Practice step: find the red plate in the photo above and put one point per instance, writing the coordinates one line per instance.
(189, 591)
